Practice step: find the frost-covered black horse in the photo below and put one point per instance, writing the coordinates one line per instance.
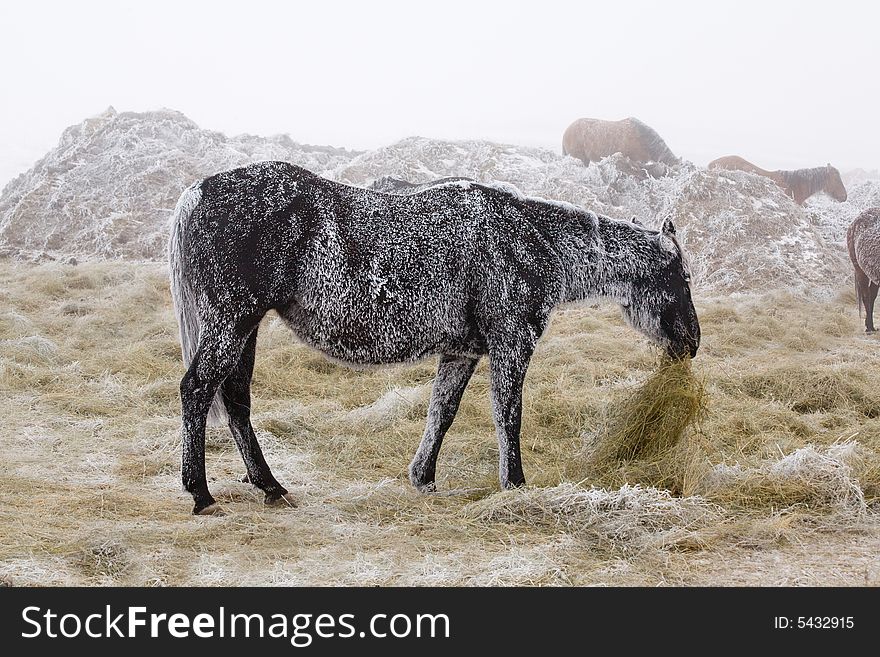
(460, 269)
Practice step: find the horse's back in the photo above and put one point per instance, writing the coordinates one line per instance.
(392, 185)
(734, 162)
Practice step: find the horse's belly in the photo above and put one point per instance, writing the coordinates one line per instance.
(372, 335)
(867, 247)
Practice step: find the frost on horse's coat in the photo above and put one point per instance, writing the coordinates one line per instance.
(459, 269)
(392, 185)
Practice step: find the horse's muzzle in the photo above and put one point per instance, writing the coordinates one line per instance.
(683, 350)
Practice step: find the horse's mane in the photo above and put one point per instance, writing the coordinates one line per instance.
(685, 263)
(660, 152)
(390, 183)
(815, 177)
(506, 188)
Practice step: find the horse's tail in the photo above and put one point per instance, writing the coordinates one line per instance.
(182, 294)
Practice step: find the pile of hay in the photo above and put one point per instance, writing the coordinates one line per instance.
(628, 518)
(645, 439)
(809, 477)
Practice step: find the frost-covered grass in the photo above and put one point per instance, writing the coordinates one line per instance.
(777, 482)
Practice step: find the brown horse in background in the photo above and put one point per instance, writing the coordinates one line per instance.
(799, 184)
(590, 140)
(863, 244)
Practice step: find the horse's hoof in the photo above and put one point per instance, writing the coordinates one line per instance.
(210, 510)
(426, 488)
(513, 485)
(870, 331)
(285, 499)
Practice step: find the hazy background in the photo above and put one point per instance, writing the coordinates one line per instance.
(786, 84)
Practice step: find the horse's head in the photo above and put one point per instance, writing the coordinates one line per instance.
(834, 185)
(661, 306)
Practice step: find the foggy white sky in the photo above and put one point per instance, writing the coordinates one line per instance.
(785, 84)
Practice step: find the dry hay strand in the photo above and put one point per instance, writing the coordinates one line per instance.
(645, 439)
(628, 519)
(107, 559)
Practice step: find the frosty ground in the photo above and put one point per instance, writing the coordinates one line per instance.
(782, 487)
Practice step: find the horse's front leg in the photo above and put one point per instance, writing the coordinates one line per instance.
(453, 375)
(508, 361)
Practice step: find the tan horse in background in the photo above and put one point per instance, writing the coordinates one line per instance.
(590, 140)
(799, 184)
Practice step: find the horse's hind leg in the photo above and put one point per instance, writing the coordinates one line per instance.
(870, 297)
(218, 352)
(236, 392)
(453, 375)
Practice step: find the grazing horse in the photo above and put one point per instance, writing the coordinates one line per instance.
(590, 140)
(863, 244)
(391, 185)
(461, 269)
(799, 184)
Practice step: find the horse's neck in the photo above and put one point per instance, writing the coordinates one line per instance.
(763, 172)
(599, 263)
(778, 177)
(803, 183)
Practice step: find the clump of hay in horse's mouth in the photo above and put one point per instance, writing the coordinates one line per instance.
(648, 423)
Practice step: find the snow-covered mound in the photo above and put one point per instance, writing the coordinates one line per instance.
(855, 177)
(833, 218)
(108, 187)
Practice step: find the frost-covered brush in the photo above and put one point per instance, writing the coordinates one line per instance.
(461, 269)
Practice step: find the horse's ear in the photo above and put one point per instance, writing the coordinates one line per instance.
(668, 227)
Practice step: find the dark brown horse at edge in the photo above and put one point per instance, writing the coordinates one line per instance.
(799, 184)
(863, 244)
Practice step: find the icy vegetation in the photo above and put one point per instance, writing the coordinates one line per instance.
(107, 189)
(832, 218)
